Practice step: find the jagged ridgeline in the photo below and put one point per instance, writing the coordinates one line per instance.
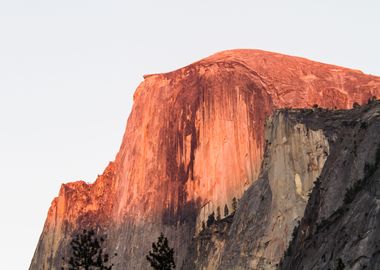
(213, 160)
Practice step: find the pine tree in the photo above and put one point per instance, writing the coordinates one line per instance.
(234, 204)
(87, 252)
(162, 256)
(211, 219)
(226, 212)
(218, 216)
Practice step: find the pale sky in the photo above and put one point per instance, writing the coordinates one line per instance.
(68, 70)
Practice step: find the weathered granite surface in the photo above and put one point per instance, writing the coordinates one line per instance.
(341, 224)
(194, 140)
(333, 157)
(268, 211)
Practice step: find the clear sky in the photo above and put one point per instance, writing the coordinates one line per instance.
(68, 70)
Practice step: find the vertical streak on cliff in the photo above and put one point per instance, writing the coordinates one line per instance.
(271, 207)
(194, 140)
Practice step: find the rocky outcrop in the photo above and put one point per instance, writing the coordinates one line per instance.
(333, 157)
(268, 211)
(275, 203)
(341, 225)
(79, 205)
(194, 140)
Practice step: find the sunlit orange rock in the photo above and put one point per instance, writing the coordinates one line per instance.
(193, 142)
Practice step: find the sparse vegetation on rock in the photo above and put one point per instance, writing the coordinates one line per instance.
(372, 100)
(369, 170)
(211, 219)
(234, 204)
(226, 211)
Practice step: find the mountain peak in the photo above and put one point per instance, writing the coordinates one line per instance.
(194, 141)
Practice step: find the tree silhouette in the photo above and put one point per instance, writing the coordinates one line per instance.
(226, 212)
(87, 252)
(161, 257)
(211, 219)
(234, 204)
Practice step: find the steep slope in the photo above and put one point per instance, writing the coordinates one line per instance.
(275, 203)
(194, 140)
(261, 227)
(341, 225)
(338, 150)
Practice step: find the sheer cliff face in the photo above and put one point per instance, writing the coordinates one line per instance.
(341, 224)
(194, 140)
(256, 235)
(318, 189)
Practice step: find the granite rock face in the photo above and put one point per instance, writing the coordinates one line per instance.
(275, 203)
(341, 224)
(331, 157)
(195, 140)
(260, 229)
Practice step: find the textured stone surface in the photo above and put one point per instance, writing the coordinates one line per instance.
(296, 156)
(272, 206)
(335, 229)
(194, 140)
(342, 146)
